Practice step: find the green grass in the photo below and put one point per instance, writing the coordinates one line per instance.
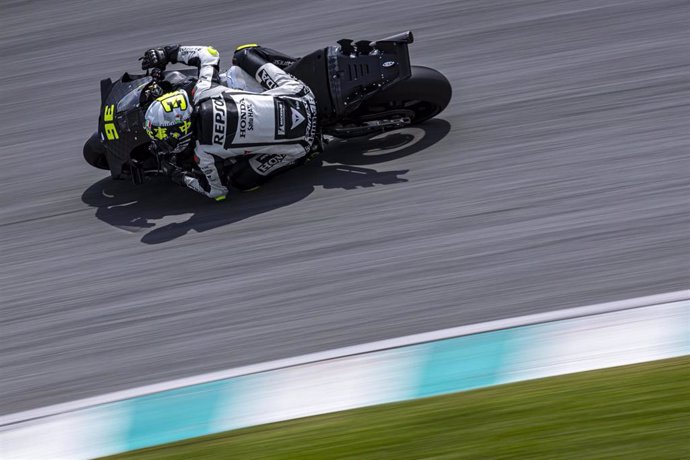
(640, 411)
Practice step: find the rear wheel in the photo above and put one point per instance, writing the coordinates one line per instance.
(421, 97)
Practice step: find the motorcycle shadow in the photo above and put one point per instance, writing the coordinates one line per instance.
(167, 212)
(393, 145)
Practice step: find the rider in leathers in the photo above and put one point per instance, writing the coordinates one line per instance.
(268, 131)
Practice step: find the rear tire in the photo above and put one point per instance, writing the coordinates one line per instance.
(425, 94)
(94, 152)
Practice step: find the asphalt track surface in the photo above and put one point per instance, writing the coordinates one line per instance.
(557, 177)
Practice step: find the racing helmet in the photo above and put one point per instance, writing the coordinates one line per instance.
(168, 121)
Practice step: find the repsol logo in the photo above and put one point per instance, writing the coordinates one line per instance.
(219, 121)
(246, 117)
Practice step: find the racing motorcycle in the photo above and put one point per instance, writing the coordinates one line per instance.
(361, 88)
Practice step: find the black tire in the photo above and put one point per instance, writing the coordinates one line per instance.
(426, 93)
(94, 152)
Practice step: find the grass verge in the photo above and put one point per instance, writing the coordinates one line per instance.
(631, 412)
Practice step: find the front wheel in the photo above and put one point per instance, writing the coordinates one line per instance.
(421, 97)
(94, 152)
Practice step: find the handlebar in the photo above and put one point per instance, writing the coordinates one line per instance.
(153, 89)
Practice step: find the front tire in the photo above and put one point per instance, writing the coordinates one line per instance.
(94, 152)
(424, 95)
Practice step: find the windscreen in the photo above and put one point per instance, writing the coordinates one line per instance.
(131, 99)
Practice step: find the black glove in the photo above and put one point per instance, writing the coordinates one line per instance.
(154, 58)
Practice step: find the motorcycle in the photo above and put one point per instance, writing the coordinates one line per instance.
(361, 88)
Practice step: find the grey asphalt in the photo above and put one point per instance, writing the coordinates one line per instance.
(557, 177)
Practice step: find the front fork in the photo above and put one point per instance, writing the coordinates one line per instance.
(164, 165)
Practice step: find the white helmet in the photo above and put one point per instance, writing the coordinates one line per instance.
(168, 121)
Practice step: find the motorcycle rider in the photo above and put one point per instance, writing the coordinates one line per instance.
(267, 132)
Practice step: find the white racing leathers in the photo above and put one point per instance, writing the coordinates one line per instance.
(273, 128)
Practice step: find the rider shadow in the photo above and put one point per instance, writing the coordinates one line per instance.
(167, 212)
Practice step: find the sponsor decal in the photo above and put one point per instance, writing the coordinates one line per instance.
(266, 79)
(297, 118)
(268, 162)
(187, 52)
(310, 105)
(246, 110)
(219, 120)
(281, 118)
(389, 64)
(282, 62)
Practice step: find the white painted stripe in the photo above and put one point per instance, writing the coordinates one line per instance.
(90, 433)
(319, 388)
(347, 351)
(597, 342)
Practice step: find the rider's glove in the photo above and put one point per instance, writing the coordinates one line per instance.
(159, 57)
(154, 58)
